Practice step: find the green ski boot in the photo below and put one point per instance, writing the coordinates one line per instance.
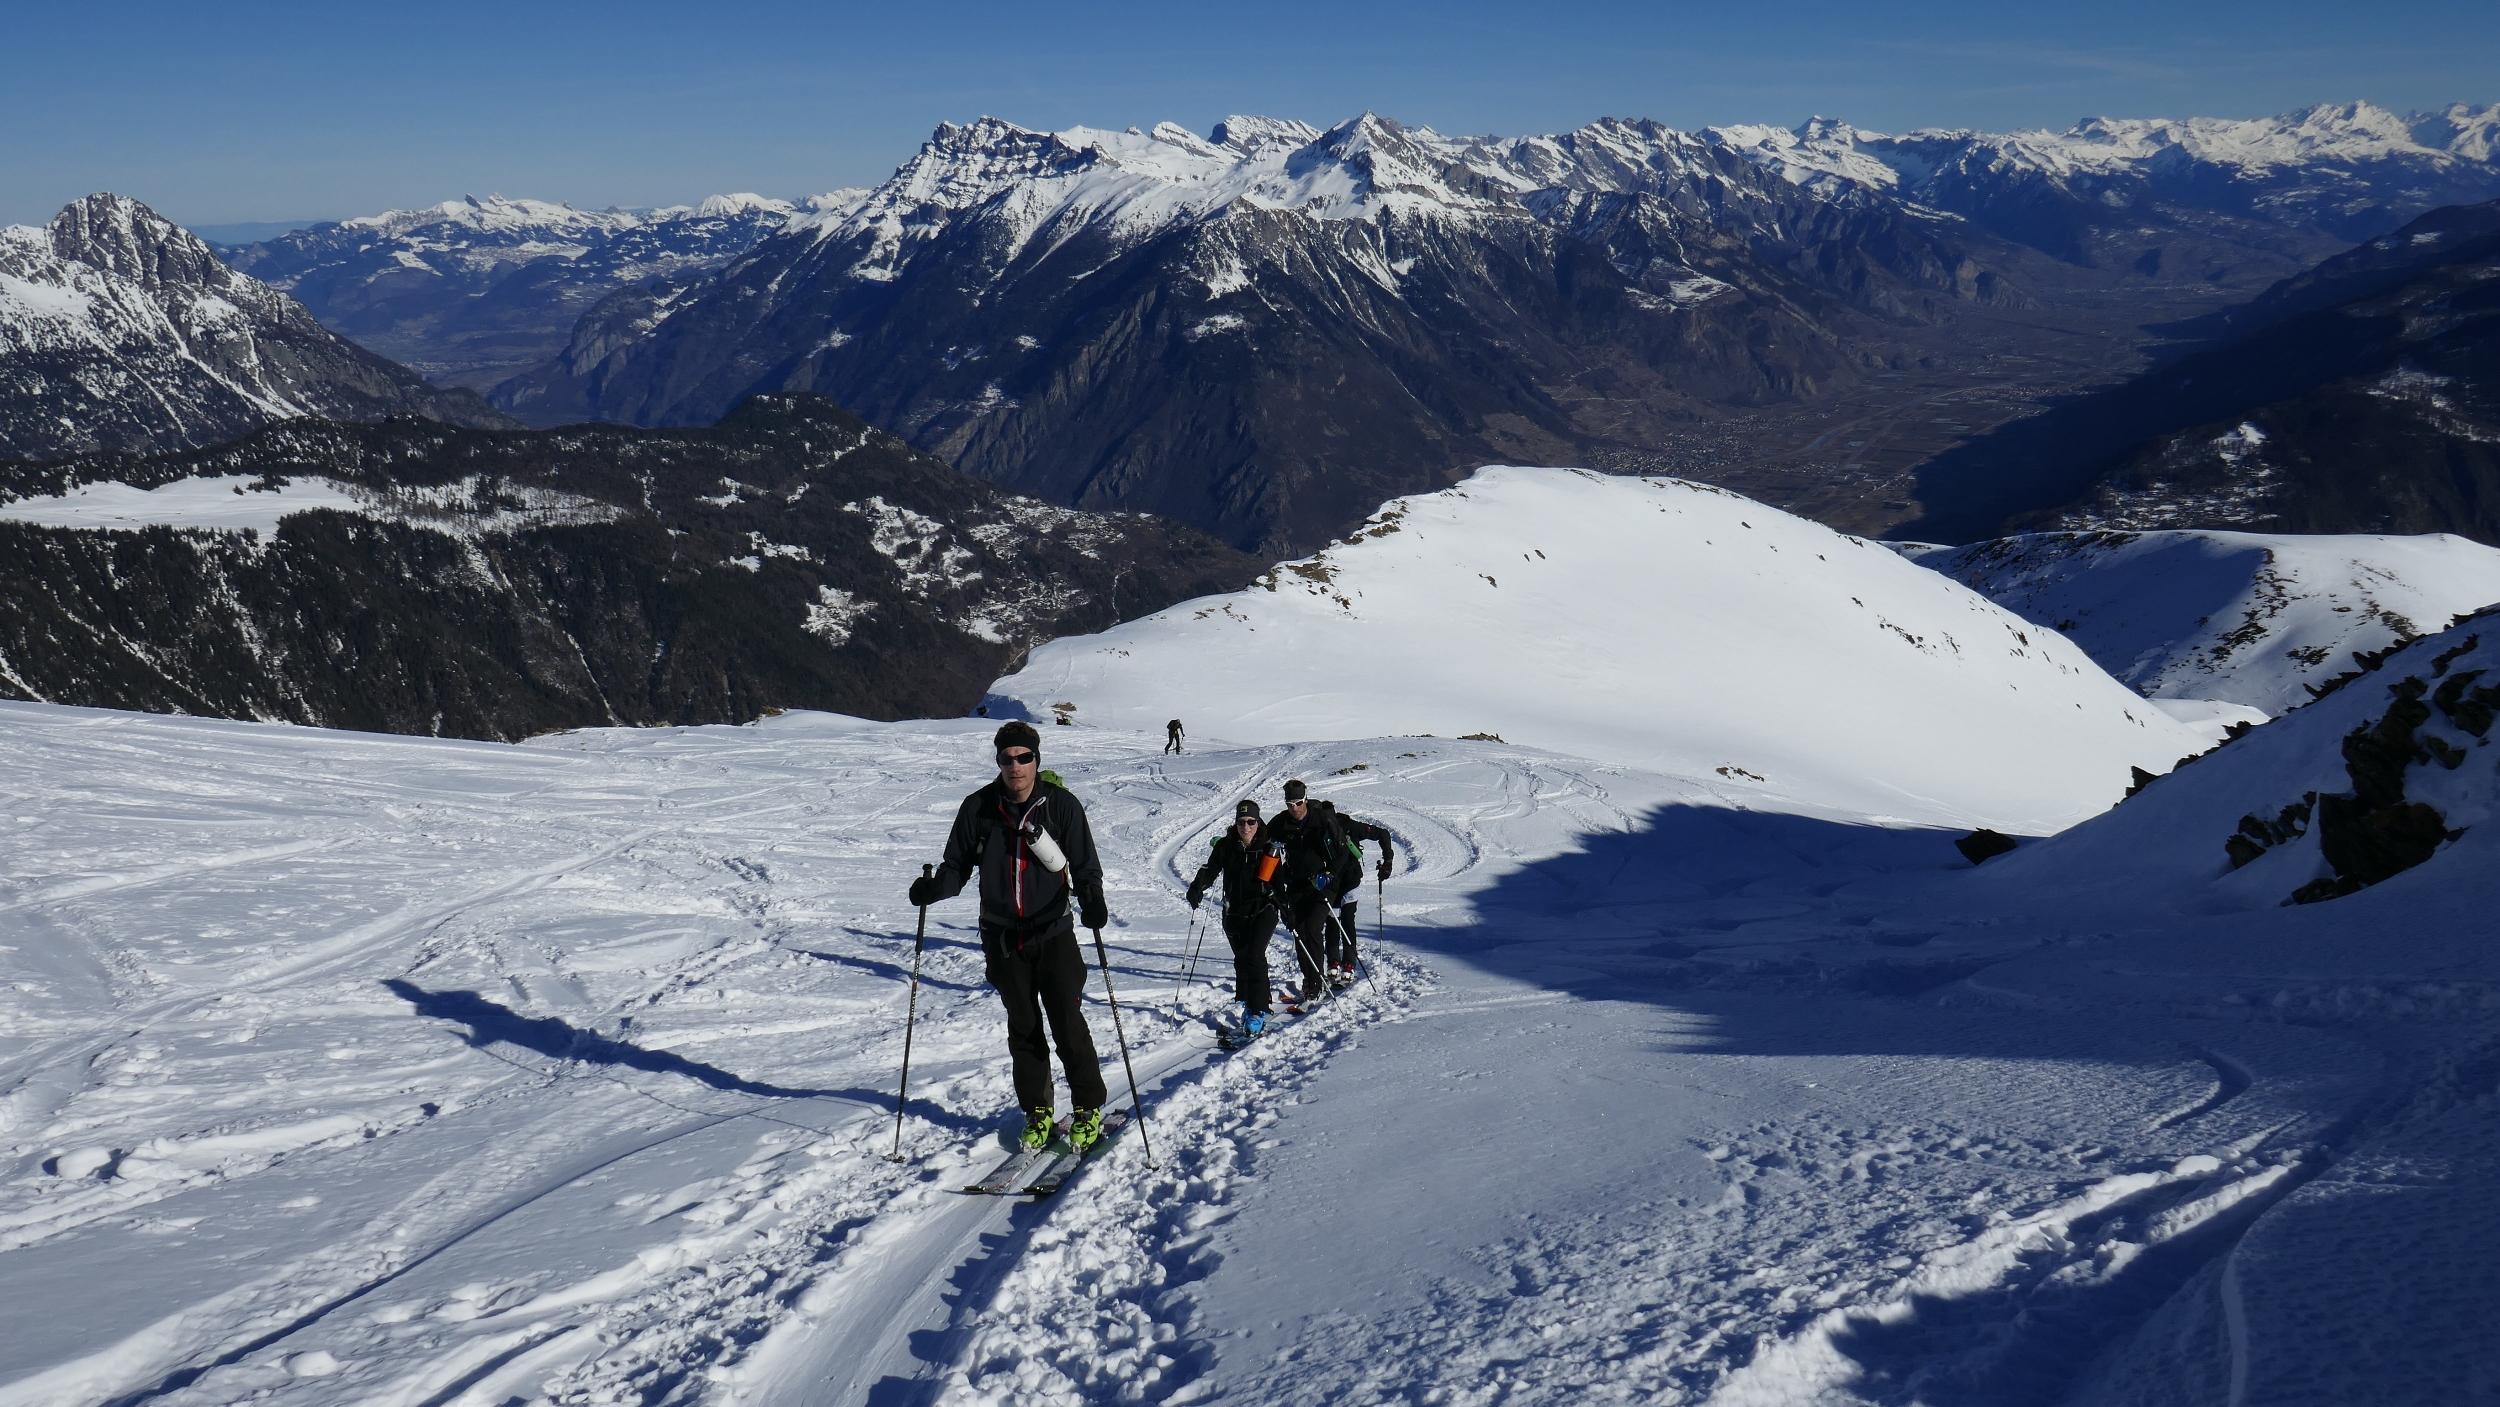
(1037, 1127)
(1085, 1130)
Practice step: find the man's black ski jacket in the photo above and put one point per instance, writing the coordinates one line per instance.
(1017, 894)
(1322, 843)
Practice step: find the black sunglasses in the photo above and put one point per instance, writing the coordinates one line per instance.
(1018, 759)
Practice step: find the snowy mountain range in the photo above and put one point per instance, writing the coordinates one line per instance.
(1269, 329)
(471, 291)
(412, 577)
(2346, 171)
(120, 331)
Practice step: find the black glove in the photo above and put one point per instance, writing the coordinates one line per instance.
(924, 891)
(1383, 870)
(1095, 915)
(1196, 894)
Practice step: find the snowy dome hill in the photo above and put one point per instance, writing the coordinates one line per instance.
(1649, 622)
(2251, 618)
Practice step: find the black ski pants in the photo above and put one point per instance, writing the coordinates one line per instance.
(1045, 978)
(1249, 934)
(1314, 934)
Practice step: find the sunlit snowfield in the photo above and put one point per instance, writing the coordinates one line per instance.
(343, 1068)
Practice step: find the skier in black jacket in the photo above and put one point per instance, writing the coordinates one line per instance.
(1348, 881)
(1249, 909)
(1011, 832)
(1322, 869)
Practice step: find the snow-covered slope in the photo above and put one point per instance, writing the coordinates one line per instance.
(120, 331)
(1650, 622)
(2250, 618)
(471, 290)
(341, 1069)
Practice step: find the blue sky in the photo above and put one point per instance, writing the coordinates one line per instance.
(255, 111)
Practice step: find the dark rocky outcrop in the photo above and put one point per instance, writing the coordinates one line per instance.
(495, 584)
(2374, 830)
(1983, 845)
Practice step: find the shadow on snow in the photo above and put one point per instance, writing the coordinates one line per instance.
(492, 1024)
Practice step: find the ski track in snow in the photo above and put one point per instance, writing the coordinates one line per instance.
(342, 1068)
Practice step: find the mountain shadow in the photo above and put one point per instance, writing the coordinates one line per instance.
(2361, 396)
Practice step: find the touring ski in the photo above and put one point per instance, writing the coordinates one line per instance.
(1016, 1169)
(1064, 1166)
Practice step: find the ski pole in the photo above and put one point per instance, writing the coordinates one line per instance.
(910, 1015)
(1198, 926)
(1358, 954)
(1136, 1106)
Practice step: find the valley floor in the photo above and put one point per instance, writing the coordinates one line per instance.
(340, 1068)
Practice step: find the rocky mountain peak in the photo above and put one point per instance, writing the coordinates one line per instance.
(962, 166)
(121, 236)
(2461, 130)
(1258, 136)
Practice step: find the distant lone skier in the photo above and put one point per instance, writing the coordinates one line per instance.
(1249, 910)
(1032, 847)
(1172, 737)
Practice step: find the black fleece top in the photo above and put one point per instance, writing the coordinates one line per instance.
(1016, 891)
(1244, 894)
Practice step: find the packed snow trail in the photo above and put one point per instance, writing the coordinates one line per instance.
(353, 1069)
(396, 1070)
